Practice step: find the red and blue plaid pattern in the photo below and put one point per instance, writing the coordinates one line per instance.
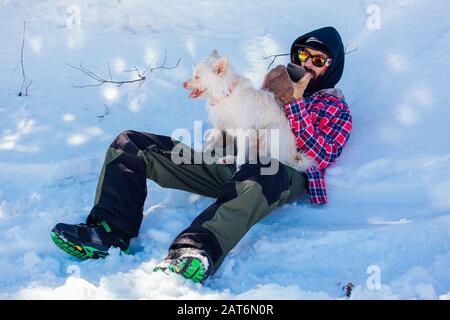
(322, 124)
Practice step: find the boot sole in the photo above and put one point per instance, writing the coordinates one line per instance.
(77, 250)
(194, 271)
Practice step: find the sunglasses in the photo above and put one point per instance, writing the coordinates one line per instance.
(318, 61)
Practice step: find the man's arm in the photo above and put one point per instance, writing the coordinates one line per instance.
(325, 139)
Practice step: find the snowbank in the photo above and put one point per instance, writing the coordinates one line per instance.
(386, 227)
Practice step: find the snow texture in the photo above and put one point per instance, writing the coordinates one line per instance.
(386, 227)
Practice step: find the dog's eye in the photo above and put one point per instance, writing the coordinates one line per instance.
(197, 78)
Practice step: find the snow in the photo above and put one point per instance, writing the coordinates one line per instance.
(388, 216)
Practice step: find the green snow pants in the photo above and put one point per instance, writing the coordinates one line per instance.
(243, 197)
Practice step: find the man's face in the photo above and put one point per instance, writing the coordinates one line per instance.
(316, 72)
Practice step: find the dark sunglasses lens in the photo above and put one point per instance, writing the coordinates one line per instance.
(318, 61)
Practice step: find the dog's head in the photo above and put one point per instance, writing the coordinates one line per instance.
(211, 77)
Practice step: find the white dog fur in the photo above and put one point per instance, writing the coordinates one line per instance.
(233, 103)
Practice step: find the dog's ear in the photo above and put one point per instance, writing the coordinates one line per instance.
(221, 66)
(214, 54)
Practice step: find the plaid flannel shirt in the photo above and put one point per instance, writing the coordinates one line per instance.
(322, 124)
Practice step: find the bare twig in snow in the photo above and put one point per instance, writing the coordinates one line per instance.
(109, 70)
(104, 114)
(274, 56)
(351, 51)
(140, 75)
(25, 85)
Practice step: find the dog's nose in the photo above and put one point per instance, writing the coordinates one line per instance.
(185, 84)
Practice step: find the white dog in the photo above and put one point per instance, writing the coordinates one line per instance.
(233, 104)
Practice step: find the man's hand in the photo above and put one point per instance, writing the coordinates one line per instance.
(279, 82)
(300, 87)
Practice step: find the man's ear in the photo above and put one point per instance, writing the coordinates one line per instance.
(220, 67)
(214, 54)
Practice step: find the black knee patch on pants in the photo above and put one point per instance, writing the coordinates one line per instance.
(132, 141)
(201, 238)
(124, 185)
(272, 185)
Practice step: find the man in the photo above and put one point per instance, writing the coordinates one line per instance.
(321, 122)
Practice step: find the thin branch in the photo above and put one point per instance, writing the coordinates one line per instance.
(101, 81)
(167, 68)
(109, 69)
(16, 67)
(162, 66)
(101, 117)
(151, 63)
(274, 56)
(135, 69)
(25, 85)
(90, 73)
(351, 51)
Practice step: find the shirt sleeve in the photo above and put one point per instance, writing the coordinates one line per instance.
(324, 139)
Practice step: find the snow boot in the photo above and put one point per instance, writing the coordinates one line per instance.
(193, 264)
(89, 241)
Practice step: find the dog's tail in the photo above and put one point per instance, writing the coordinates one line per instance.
(303, 162)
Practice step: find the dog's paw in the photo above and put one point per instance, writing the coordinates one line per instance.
(226, 160)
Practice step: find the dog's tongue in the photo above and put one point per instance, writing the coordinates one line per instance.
(195, 93)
